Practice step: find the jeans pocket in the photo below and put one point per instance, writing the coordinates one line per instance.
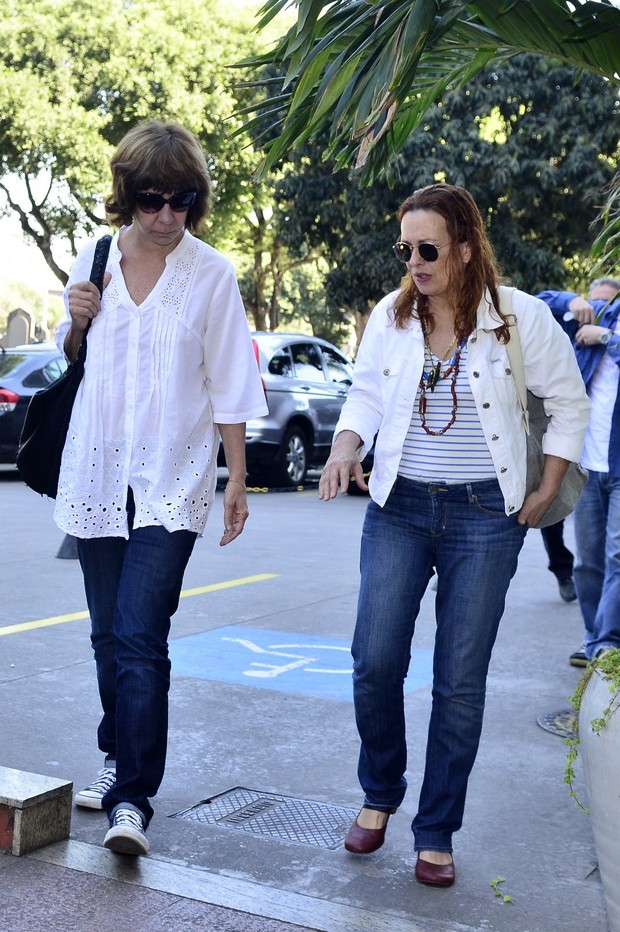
(490, 501)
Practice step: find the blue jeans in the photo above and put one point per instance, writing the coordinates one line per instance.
(597, 571)
(463, 531)
(132, 590)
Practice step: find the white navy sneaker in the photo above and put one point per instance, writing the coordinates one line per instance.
(126, 834)
(90, 797)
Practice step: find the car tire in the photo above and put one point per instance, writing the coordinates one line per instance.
(292, 467)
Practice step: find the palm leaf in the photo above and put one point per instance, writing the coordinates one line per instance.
(367, 72)
(606, 247)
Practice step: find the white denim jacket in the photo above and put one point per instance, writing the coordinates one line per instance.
(387, 373)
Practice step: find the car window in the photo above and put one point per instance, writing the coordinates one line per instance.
(281, 363)
(338, 369)
(54, 369)
(40, 378)
(9, 362)
(307, 362)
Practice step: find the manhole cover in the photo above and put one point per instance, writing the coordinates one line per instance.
(562, 723)
(303, 821)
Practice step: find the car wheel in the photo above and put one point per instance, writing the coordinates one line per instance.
(292, 466)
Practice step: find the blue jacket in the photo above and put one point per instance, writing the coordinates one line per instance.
(589, 357)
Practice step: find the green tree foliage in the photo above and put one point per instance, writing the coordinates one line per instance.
(304, 302)
(533, 140)
(75, 75)
(353, 228)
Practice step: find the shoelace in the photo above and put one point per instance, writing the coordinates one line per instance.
(129, 817)
(105, 780)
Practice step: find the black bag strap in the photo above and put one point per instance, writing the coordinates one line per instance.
(97, 271)
(100, 259)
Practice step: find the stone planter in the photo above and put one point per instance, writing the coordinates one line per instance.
(600, 753)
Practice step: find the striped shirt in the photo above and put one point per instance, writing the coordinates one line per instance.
(459, 455)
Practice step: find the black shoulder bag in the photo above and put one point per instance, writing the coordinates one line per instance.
(47, 419)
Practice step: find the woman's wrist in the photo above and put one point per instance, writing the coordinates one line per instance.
(237, 481)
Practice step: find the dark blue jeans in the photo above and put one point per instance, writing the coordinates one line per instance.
(132, 590)
(560, 558)
(463, 531)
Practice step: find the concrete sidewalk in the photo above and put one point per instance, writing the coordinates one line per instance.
(287, 588)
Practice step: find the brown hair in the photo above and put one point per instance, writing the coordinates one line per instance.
(467, 280)
(162, 156)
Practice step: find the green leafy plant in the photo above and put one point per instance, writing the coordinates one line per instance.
(609, 666)
(495, 884)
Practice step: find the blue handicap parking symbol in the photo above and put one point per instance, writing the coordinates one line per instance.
(277, 660)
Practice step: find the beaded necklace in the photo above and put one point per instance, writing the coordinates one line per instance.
(431, 378)
(435, 370)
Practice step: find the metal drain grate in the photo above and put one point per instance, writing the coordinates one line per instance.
(303, 821)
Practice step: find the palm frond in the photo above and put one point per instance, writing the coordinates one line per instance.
(366, 72)
(606, 247)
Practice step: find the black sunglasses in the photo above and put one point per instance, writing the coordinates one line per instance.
(153, 203)
(426, 251)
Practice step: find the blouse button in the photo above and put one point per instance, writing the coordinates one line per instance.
(386, 371)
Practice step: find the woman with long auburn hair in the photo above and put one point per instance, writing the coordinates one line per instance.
(433, 385)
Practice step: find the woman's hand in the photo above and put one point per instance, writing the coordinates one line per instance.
(236, 511)
(538, 501)
(534, 507)
(84, 305)
(342, 466)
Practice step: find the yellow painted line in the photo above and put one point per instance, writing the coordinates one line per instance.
(43, 623)
(75, 616)
(230, 584)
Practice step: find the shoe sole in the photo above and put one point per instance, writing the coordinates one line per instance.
(88, 802)
(578, 662)
(120, 842)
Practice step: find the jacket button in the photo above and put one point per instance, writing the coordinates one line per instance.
(511, 508)
(473, 339)
(508, 371)
(386, 371)
(494, 437)
(486, 404)
(504, 469)
(476, 375)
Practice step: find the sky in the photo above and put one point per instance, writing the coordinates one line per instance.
(22, 262)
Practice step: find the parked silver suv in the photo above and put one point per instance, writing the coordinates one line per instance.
(306, 381)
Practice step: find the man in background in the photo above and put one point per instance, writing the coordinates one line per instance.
(594, 328)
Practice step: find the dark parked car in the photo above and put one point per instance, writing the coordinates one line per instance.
(23, 371)
(306, 381)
